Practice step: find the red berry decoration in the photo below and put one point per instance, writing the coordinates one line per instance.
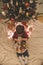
(27, 4)
(12, 19)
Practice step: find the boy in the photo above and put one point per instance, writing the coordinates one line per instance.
(22, 53)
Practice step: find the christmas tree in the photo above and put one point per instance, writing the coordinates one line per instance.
(19, 9)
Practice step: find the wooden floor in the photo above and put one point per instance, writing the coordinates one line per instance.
(40, 18)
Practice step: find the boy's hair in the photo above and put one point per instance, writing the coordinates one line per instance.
(20, 29)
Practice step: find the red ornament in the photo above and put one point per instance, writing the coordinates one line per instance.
(12, 20)
(27, 4)
(5, 7)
